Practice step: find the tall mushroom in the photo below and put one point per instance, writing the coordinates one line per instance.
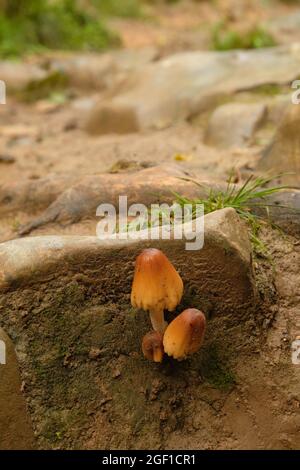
(185, 334)
(152, 346)
(156, 286)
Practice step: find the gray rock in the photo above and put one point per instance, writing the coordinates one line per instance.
(185, 84)
(15, 427)
(18, 75)
(103, 71)
(285, 28)
(277, 107)
(283, 154)
(234, 124)
(219, 275)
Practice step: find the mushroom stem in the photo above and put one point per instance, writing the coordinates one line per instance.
(157, 320)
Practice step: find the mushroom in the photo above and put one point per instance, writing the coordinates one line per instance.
(185, 334)
(152, 346)
(156, 286)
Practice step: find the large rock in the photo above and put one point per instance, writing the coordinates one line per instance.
(234, 124)
(67, 302)
(182, 85)
(220, 273)
(102, 71)
(15, 427)
(67, 199)
(283, 154)
(285, 28)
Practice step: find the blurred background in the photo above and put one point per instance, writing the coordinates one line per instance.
(28, 26)
(116, 86)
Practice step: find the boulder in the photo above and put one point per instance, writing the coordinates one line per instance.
(185, 84)
(283, 154)
(234, 124)
(220, 272)
(15, 427)
(67, 302)
(102, 71)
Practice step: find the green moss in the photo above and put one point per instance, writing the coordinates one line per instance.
(40, 89)
(269, 89)
(224, 39)
(215, 371)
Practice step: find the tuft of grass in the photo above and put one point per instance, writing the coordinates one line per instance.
(224, 39)
(252, 194)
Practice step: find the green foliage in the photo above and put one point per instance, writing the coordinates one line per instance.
(244, 200)
(121, 8)
(32, 25)
(224, 39)
(51, 86)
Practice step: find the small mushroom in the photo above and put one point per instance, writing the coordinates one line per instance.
(156, 286)
(185, 334)
(152, 346)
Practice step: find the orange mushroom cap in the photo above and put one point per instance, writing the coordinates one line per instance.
(156, 283)
(185, 334)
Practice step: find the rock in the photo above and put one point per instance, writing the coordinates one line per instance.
(32, 194)
(277, 106)
(119, 119)
(283, 154)
(17, 75)
(15, 427)
(234, 124)
(219, 275)
(185, 84)
(103, 71)
(6, 158)
(68, 199)
(285, 28)
(81, 200)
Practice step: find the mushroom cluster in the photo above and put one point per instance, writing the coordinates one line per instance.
(156, 287)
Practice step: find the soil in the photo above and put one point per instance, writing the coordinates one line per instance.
(241, 391)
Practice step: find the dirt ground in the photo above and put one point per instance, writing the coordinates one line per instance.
(241, 391)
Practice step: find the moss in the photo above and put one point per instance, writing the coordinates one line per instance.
(224, 39)
(214, 370)
(45, 88)
(269, 89)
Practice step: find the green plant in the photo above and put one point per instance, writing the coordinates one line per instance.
(251, 195)
(31, 25)
(224, 39)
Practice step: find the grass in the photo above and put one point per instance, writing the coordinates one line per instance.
(224, 39)
(251, 195)
(245, 199)
(29, 26)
